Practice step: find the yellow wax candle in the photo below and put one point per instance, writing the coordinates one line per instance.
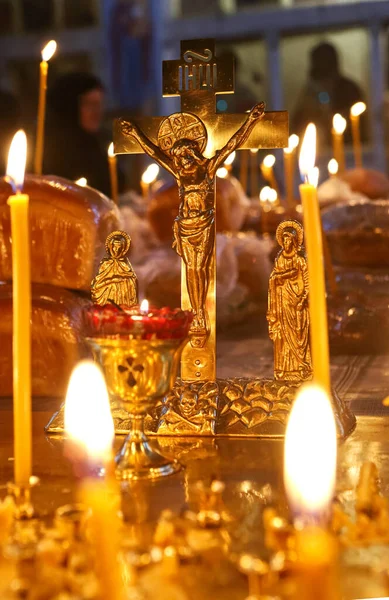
(339, 125)
(355, 115)
(21, 311)
(314, 246)
(253, 174)
(228, 162)
(244, 169)
(289, 169)
(148, 178)
(310, 475)
(87, 397)
(317, 576)
(113, 173)
(104, 532)
(47, 53)
(267, 169)
(289, 166)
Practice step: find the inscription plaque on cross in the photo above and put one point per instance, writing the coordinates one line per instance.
(192, 145)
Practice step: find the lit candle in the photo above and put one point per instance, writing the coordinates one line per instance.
(113, 173)
(253, 173)
(148, 178)
(83, 182)
(47, 53)
(244, 168)
(144, 307)
(289, 169)
(229, 160)
(333, 167)
(314, 246)
(309, 475)
(267, 168)
(21, 312)
(355, 115)
(89, 425)
(339, 125)
(222, 172)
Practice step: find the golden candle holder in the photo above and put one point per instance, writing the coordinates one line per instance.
(138, 374)
(139, 352)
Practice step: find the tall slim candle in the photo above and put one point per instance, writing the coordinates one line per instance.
(355, 115)
(314, 246)
(244, 168)
(339, 125)
(92, 439)
(289, 169)
(21, 288)
(267, 168)
(310, 475)
(148, 178)
(113, 173)
(254, 191)
(47, 53)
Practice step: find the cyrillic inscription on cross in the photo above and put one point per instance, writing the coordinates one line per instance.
(192, 145)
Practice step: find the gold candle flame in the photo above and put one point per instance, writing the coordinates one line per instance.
(339, 124)
(144, 306)
(264, 194)
(313, 176)
(333, 166)
(17, 157)
(222, 172)
(230, 159)
(111, 152)
(269, 161)
(272, 195)
(357, 109)
(150, 174)
(294, 141)
(87, 395)
(308, 152)
(310, 452)
(49, 50)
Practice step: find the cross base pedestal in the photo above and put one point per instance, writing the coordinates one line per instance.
(236, 407)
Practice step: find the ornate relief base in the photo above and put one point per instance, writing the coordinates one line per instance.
(236, 407)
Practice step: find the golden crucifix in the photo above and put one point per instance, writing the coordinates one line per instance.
(192, 145)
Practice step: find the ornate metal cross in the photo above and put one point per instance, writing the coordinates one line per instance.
(191, 145)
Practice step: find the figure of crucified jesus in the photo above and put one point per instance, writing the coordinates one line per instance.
(181, 142)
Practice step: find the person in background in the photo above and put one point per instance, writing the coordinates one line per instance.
(10, 122)
(326, 93)
(74, 146)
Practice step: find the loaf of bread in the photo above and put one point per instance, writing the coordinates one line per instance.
(68, 228)
(370, 183)
(358, 233)
(231, 208)
(57, 338)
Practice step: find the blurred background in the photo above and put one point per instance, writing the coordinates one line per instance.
(312, 58)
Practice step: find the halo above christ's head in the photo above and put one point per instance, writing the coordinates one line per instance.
(181, 126)
(123, 238)
(292, 226)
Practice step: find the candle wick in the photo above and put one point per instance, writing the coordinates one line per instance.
(306, 180)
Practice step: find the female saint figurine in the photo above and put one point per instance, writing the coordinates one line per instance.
(288, 315)
(116, 281)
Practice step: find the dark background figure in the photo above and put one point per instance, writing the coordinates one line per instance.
(75, 145)
(326, 93)
(10, 122)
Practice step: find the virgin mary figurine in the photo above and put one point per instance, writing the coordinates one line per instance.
(288, 315)
(116, 280)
